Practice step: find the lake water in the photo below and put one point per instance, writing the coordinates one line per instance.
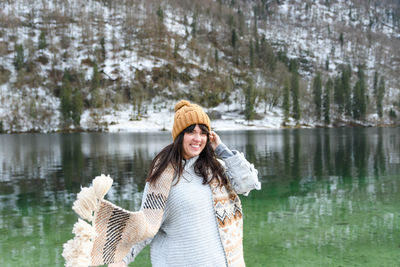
(330, 196)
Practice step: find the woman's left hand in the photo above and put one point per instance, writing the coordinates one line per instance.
(214, 140)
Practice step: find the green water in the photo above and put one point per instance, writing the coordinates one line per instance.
(329, 197)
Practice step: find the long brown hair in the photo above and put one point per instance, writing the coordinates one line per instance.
(205, 165)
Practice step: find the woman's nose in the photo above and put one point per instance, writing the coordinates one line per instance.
(197, 136)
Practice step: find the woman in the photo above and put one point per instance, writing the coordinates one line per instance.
(202, 218)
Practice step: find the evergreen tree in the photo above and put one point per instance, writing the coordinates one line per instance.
(266, 56)
(282, 57)
(71, 102)
(379, 97)
(19, 58)
(250, 97)
(341, 39)
(295, 89)
(241, 21)
(42, 44)
(392, 114)
(160, 14)
(255, 34)
(66, 99)
(357, 92)
(256, 9)
(257, 46)
(338, 95)
(317, 89)
(346, 89)
(138, 93)
(95, 76)
(33, 111)
(286, 102)
(94, 89)
(233, 38)
(103, 48)
(359, 96)
(76, 107)
(231, 21)
(216, 57)
(327, 101)
(376, 78)
(194, 26)
(176, 49)
(251, 54)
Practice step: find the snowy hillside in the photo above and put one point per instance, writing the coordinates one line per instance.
(121, 65)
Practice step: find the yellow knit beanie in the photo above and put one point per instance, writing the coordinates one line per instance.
(187, 114)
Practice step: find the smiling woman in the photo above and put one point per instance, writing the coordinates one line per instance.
(199, 200)
(191, 213)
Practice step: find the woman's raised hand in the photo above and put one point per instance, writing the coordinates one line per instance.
(214, 139)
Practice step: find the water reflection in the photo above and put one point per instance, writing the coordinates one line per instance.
(324, 190)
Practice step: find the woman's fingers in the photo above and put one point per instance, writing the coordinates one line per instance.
(214, 139)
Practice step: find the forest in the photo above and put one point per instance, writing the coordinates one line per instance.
(332, 63)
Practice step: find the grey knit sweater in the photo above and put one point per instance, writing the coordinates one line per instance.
(189, 235)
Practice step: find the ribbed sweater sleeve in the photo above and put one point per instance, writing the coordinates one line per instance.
(223, 151)
(242, 175)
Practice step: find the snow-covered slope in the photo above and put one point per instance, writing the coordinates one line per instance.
(142, 37)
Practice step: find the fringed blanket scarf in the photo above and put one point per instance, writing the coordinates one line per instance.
(114, 230)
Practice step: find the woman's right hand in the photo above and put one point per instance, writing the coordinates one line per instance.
(119, 264)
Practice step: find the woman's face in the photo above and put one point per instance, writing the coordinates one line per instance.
(194, 142)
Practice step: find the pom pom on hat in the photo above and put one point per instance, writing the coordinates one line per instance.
(180, 104)
(187, 114)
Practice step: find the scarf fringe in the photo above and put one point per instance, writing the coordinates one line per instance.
(76, 251)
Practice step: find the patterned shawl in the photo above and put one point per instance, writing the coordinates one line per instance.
(114, 230)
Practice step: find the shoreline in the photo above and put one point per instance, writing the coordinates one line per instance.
(123, 119)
